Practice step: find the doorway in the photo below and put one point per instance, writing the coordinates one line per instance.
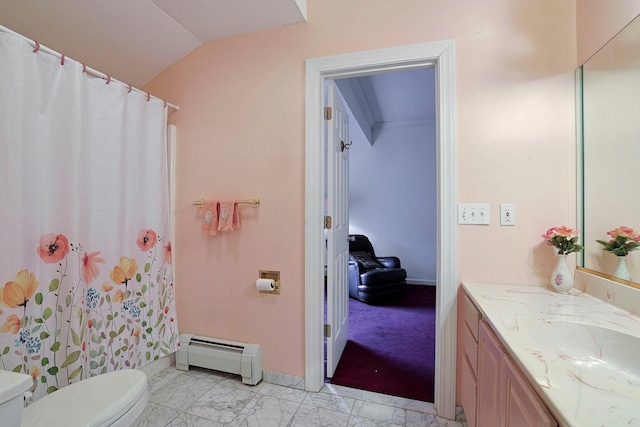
(392, 200)
(441, 55)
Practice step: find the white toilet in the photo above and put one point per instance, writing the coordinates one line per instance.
(113, 399)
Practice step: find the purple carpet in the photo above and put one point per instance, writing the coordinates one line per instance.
(391, 347)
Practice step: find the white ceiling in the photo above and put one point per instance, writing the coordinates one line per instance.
(135, 40)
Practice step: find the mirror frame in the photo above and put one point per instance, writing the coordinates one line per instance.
(580, 167)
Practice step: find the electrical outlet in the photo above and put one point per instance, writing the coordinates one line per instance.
(469, 213)
(507, 214)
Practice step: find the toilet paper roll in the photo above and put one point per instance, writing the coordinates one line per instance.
(265, 284)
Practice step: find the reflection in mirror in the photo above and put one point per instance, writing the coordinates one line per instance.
(611, 148)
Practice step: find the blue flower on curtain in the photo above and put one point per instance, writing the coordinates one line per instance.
(23, 337)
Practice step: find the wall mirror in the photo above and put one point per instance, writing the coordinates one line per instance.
(609, 132)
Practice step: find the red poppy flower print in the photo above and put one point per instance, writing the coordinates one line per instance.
(147, 239)
(53, 247)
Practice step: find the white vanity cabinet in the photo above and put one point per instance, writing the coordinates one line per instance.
(495, 393)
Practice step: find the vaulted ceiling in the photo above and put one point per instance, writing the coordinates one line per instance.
(400, 98)
(133, 41)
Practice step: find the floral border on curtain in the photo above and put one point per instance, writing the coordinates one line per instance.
(118, 317)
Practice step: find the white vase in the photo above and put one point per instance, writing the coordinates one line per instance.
(622, 271)
(562, 279)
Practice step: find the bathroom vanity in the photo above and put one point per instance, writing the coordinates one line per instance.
(534, 357)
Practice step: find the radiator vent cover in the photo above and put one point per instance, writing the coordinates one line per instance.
(221, 355)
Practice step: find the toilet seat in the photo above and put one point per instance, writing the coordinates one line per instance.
(115, 398)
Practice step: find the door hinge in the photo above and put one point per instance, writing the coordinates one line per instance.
(327, 331)
(328, 113)
(327, 222)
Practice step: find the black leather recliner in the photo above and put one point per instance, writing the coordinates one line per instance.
(373, 279)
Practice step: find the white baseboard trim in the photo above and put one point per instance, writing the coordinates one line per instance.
(427, 282)
(283, 379)
(156, 366)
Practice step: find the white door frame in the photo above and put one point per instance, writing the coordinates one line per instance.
(442, 54)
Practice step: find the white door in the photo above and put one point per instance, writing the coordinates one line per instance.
(338, 233)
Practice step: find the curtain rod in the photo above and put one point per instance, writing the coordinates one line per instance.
(38, 47)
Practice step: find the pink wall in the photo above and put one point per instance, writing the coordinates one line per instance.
(241, 134)
(599, 20)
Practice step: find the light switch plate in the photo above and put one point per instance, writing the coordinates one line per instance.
(473, 213)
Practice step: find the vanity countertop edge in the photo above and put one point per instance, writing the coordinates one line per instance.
(576, 397)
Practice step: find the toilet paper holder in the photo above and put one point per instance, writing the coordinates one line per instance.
(273, 275)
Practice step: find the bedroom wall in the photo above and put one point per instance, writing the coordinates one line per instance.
(392, 196)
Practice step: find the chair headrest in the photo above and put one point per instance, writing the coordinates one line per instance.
(360, 243)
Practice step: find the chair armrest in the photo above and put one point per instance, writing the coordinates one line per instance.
(389, 261)
(353, 278)
(355, 266)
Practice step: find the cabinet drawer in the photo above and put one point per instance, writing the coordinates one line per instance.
(471, 316)
(470, 349)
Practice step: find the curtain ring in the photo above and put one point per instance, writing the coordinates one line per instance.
(148, 96)
(37, 48)
(108, 79)
(62, 59)
(165, 103)
(84, 69)
(129, 91)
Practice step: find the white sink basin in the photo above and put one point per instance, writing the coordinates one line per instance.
(592, 349)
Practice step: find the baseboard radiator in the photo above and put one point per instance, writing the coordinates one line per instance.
(221, 355)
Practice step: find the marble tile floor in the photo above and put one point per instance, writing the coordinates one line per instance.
(201, 397)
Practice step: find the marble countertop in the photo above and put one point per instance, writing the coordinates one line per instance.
(530, 322)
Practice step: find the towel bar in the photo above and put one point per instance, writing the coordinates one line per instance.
(253, 202)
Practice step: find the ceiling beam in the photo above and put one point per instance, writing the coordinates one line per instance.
(355, 97)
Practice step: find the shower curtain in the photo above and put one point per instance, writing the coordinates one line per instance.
(86, 280)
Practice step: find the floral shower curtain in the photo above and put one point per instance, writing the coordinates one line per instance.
(86, 282)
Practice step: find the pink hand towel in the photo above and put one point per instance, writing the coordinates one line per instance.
(229, 218)
(236, 217)
(210, 217)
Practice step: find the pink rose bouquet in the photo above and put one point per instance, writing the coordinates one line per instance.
(623, 240)
(563, 238)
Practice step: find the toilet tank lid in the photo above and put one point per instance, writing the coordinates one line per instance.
(13, 384)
